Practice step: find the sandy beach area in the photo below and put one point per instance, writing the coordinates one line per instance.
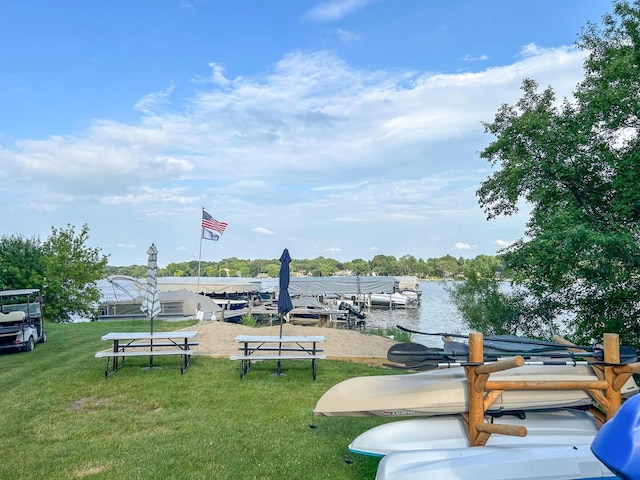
(216, 340)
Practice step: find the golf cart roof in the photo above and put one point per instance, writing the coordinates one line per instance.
(24, 291)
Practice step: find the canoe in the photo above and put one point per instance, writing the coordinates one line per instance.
(445, 391)
(542, 462)
(545, 427)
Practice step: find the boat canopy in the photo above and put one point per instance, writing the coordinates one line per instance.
(341, 285)
(209, 285)
(408, 282)
(175, 303)
(307, 302)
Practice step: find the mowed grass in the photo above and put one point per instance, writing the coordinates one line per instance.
(61, 418)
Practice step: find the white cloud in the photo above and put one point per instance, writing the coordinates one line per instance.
(313, 116)
(263, 231)
(346, 36)
(479, 58)
(218, 74)
(464, 246)
(502, 243)
(331, 10)
(154, 101)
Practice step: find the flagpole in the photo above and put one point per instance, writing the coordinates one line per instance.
(200, 254)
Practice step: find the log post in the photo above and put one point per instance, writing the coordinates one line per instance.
(476, 398)
(611, 355)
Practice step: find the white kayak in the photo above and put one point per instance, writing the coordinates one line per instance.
(445, 391)
(541, 462)
(544, 427)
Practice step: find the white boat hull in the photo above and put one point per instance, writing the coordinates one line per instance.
(389, 299)
(442, 392)
(542, 462)
(546, 427)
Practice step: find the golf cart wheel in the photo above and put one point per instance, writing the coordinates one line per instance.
(30, 345)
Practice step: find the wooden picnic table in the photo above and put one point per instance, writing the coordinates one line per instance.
(143, 344)
(274, 347)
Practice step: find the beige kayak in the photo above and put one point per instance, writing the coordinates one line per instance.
(445, 391)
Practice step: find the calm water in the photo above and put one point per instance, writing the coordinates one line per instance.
(434, 315)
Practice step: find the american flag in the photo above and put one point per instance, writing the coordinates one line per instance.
(211, 223)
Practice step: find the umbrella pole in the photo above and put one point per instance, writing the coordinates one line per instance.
(151, 346)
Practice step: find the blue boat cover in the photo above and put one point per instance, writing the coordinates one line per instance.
(617, 444)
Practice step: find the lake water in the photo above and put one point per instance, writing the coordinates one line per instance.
(435, 314)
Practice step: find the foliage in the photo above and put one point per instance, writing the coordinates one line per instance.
(248, 320)
(62, 267)
(577, 165)
(486, 305)
(207, 423)
(391, 332)
(20, 262)
(71, 270)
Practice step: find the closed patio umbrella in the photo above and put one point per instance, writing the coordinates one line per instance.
(284, 299)
(151, 302)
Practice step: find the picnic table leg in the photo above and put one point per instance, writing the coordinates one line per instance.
(313, 360)
(245, 364)
(115, 359)
(187, 361)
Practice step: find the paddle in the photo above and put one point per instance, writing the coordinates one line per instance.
(501, 338)
(627, 354)
(412, 354)
(433, 365)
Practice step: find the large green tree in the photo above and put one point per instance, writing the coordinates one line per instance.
(70, 270)
(577, 164)
(20, 262)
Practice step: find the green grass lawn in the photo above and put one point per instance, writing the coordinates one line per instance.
(61, 418)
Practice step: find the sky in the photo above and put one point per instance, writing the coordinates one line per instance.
(340, 128)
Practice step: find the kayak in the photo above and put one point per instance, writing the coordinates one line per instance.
(445, 392)
(535, 462)
(617, 444)
(544, 427)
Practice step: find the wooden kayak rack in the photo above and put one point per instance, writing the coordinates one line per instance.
(483, 391)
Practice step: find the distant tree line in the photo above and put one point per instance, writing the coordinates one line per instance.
(446, 267)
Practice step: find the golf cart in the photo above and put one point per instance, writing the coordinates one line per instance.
(21, 325)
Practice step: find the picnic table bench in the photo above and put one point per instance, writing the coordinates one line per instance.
(262, 347)
(146, 344)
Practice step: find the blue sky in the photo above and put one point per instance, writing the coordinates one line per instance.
(339, 128)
